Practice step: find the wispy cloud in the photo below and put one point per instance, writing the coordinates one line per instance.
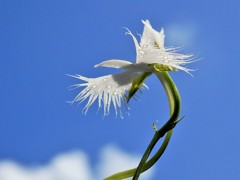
(73, 166)
(181, 34)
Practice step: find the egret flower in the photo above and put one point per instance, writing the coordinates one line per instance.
(112, 89)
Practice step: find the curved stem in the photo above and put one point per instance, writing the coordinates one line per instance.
(129, 173)
(174, 103)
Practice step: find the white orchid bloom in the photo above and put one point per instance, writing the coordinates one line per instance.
(113, 88)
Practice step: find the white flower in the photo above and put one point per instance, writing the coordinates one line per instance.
(112, 89)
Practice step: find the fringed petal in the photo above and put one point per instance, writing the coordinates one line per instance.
(110, 89)
(168, 58)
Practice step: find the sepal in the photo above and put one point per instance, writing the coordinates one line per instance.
(137, 83)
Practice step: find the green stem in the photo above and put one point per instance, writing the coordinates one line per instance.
(148, 164)
(174, 103)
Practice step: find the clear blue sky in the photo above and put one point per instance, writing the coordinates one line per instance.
(41, 41)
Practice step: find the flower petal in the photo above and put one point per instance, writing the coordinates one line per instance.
(158, 36)
(139, 51)
(114, 63)
(168, 58)
(147, 38)
(154, 52)
(107, 89)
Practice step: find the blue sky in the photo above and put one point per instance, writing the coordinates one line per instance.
(41, 41)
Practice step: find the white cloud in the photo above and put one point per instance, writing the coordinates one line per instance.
(73, 166)
(114, 160)
(68, 166)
